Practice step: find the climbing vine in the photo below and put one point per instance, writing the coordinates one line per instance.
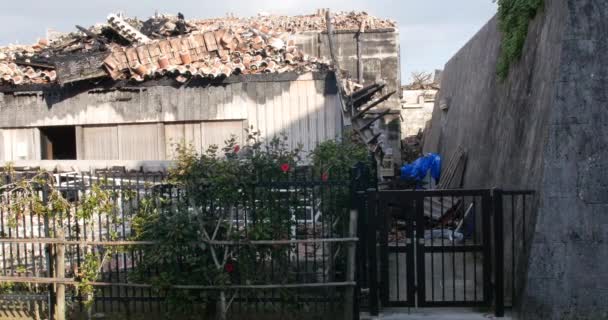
(514, 19)
(39, 195)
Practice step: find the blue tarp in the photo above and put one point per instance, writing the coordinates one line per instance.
(418, 169)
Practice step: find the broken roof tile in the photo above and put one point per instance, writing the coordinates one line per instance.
(165, 45)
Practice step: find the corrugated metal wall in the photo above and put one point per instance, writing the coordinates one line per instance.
(19, 144)
(148, 126)
(155, 141)
(100, 142)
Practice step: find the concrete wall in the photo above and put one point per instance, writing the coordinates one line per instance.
(143, 123)
(543, 128)
(380, 53)
(416, 110)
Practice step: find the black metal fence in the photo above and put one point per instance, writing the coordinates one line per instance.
(307, 273)
(443, 247)
(517, 209)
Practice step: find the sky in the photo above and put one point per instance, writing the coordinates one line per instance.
(431, 31)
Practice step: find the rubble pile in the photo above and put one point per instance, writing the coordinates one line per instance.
(352, 21)
(166, 45)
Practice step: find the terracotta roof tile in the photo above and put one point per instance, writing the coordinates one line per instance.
(166, 45)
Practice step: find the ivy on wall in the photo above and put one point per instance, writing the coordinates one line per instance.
(514, 18)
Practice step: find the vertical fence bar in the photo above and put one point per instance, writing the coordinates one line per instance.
(372, 278)
(419, 244)
(499, 293)
(486, 210)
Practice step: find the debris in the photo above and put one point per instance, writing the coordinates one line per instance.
(452, 176)
(126, 30)
(125, 48)
(451, 235)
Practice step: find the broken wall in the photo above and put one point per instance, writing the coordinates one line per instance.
(543, 128)
(380, 61)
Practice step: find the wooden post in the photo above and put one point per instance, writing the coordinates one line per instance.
(351, 254)
(60, 274)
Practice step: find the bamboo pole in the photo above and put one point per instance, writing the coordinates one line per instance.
(211, 242)
(60, 274)
(70, 281)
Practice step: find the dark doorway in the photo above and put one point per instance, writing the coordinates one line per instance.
(58, 143)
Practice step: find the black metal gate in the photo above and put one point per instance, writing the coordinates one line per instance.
(434, 248)
(432, 252)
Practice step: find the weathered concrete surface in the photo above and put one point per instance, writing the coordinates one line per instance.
(379, 54)
(544, 128)
(416, 110)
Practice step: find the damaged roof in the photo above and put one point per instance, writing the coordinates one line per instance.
(164, 45)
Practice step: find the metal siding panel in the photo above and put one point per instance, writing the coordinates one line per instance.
(302, 115)
(261, 108)
(21, 144)
(337, 114)
(7, 138)
(320, 112)
(225, 108)
(313, 112)
(294, 113)
(192, 133)
(273, 128)
(179, 133)
(204, 104)
(100, 143)
(284, 111)
(36, 143)
(249, 95)
(276, 109)
(216, 132)
(2, 146)
(212, 103)
(138, 142)
(174, 134)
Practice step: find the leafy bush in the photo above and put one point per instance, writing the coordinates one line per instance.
(236, 193)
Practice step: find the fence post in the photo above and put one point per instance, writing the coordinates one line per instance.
(372, 278)
(499, 291)
(60, 274)
(351, 310)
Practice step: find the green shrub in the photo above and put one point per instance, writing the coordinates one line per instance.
(514, 19)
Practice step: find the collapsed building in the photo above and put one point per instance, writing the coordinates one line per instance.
(124, 92)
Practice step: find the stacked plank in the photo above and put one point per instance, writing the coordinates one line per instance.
(452, 176)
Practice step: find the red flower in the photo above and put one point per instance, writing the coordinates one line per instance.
(229, 267)
(237, 148)
(285, 167)
(325, 176)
